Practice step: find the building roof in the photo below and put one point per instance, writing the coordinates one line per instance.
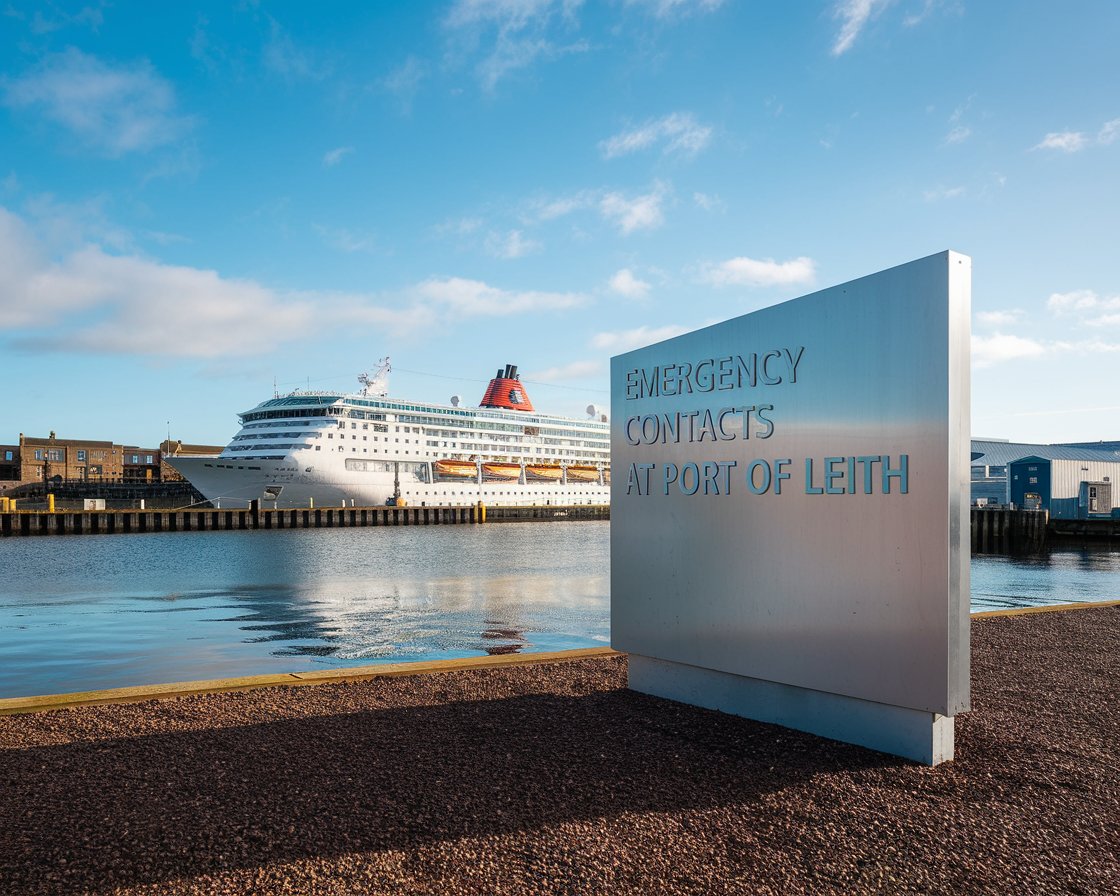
(994, 453)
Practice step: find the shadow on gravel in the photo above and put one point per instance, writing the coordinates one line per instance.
(159, 807)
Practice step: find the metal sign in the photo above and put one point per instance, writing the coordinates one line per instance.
(789, 498)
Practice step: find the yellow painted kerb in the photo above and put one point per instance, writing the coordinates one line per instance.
(15, 705)
(1053, 608)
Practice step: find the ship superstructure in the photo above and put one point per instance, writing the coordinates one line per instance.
(335, 449)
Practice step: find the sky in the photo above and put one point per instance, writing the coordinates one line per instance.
(201, 203)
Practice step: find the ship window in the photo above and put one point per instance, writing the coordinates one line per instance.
(317, 447)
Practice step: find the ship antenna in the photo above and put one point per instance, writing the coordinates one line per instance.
(378, 384)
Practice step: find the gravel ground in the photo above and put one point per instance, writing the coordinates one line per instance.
(555, 779)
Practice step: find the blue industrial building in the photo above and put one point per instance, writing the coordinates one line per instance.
(1069, 489)
(1071, 482)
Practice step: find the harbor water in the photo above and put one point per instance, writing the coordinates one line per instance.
(119, 610)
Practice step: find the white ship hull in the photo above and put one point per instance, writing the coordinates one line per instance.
(338, 450)
(224, 485)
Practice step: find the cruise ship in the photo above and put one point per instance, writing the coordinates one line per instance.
(339, 450)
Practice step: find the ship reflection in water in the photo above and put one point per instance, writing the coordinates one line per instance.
(113, 611)
(105, 611)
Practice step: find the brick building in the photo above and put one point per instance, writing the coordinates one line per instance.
(140, 464)
(42, 460)
(9, 463)
(53, 459)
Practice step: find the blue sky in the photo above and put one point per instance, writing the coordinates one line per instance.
(199, 200)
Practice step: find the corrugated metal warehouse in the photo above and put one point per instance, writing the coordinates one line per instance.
(991, 480)
(1068, 488)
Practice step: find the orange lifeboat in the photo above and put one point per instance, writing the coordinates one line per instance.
(507, 472)
(583, 474)
(456, 469)
(546, 472)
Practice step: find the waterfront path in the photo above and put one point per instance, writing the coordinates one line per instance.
(552, 778)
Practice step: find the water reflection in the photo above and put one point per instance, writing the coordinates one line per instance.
(294, 600)
(111, 611)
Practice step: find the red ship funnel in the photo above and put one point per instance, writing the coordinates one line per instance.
(505, 391)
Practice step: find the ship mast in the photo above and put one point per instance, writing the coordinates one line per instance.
(377, 385)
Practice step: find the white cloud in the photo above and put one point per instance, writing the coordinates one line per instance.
(511, 245)
(473, 298)
(1001, 347)
(625, 340)
(1109, 131)
(708, 202)
(639, 213)
(958, 134)
(460, 227)
(334, 156)
(1075, 141)
(86, 299)
(405, 80)
(920, 16)
(626, 284)
(547, 210)
(853, 16)
(743, 271)
(284, 57)
(522, 33)
(680, 133)
(346, 240)
(1066, 141)
(93, 301)
(1081, 300)
(44, 23)
(958, 130)
(943, 193)
(116, 110)
(989, 350)
(999, 318)
(664, 9)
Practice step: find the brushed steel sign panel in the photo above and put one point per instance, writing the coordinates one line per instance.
(789, 489)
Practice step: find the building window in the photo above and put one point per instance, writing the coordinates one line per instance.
(136, 458)
(81, 456)
(54, 454)
(8, 455)
(149, 460)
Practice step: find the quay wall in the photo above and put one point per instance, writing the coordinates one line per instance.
(113, 522)
(993, 531)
